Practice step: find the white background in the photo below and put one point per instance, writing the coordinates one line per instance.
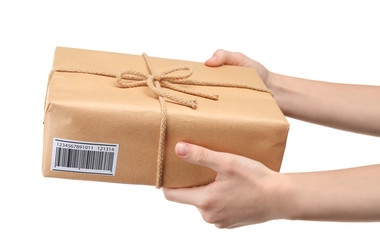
(335, 41)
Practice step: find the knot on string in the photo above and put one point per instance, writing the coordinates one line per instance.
(168, 79)
(132, 78)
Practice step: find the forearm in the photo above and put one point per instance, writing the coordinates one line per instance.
(345, 106)
(340, 195)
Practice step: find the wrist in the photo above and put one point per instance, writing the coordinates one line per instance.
(300, 201)
(286, 198)
(279, 85)
(274, 83)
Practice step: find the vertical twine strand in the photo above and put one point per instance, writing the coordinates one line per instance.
(155, 82)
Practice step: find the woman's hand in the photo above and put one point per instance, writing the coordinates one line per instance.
(344, 106)
(244, 191)
(222, 57)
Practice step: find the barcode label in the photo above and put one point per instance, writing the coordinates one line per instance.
(84, 157)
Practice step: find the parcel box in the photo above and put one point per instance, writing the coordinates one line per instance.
(116, 118)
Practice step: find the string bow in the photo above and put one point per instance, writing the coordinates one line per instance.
(165, 79)
(154, 82)
(132, 78)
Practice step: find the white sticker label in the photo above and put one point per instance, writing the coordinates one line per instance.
(84, 157)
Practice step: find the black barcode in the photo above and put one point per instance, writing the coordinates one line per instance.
(82, 159)
(85, 157)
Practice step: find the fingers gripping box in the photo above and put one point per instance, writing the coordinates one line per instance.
(116, 118)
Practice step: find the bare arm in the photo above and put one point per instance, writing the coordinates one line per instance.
(345, 106)
(340, 195)
(246, 192)
(348, 107)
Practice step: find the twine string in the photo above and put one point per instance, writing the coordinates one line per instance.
(132, 78)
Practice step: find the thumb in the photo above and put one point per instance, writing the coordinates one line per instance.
(221, 57)
(201, 156)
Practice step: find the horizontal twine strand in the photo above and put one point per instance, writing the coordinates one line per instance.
(155, 82)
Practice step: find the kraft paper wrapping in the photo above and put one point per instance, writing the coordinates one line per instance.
(91, 108)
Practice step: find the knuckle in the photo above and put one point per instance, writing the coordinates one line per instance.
(242, 59)
(210, 210)
(205, 204)
(221, 225)
(240, 55)
(219, 52)
(201, 155)
(167, 195)
(229, 164)
(209, 217)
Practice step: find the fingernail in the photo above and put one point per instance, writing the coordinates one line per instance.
(182, 149)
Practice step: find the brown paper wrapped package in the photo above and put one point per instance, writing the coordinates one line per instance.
(91, 107)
